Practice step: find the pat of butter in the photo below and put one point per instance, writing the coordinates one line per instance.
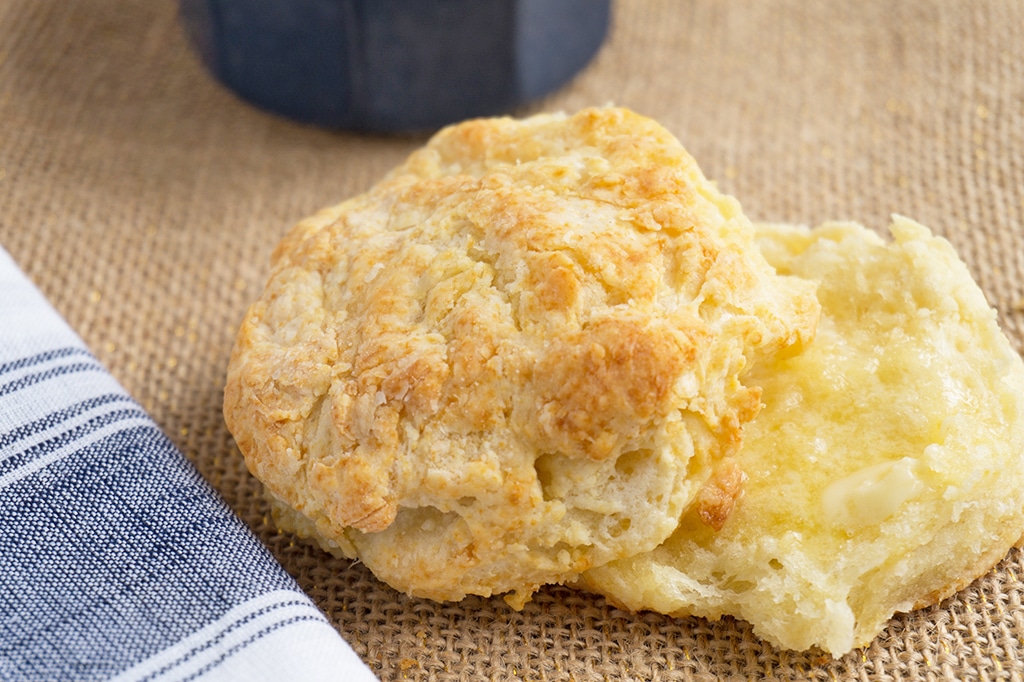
(871, 495)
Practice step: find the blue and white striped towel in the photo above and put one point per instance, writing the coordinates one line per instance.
(117, 561)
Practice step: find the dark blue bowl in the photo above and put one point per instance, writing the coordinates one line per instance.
(394, 65)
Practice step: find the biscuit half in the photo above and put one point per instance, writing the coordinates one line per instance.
(520, 355)
(886, 470)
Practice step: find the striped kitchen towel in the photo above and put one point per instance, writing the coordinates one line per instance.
(117, 560)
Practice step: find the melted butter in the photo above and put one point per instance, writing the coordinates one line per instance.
(871, 495)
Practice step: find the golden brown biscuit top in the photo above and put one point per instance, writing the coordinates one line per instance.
(525, 345)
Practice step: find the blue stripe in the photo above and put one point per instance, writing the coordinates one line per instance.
(210, 643)
(31, 379)
(118, 550)
(10, 439)
(254, 638)
(18, 460)
(43, 357)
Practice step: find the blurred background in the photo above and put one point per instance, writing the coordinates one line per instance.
(144, 197)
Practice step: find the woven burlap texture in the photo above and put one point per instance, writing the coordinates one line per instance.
(144, 200)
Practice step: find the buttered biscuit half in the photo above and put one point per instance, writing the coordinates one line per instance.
(886, 469)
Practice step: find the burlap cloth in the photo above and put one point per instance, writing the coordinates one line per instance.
(144, 200)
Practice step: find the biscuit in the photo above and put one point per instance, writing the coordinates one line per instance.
(886, 469)
(520, 355)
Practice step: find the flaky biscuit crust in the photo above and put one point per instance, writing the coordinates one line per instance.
(518, 356)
